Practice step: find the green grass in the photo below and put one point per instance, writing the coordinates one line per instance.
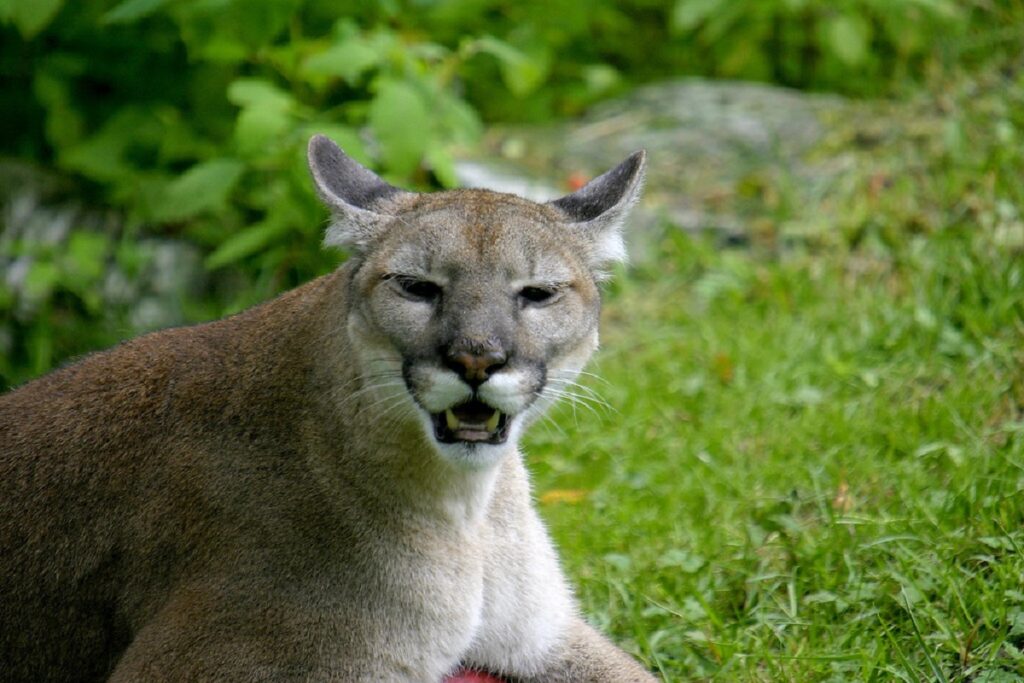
(812, 466)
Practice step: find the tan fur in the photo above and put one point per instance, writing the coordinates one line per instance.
(246, 500)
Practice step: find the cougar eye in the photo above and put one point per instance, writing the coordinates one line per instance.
(537, 295)
(424, 290)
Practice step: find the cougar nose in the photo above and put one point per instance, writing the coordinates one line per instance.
(475, 368)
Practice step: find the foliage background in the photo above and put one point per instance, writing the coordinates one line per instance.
(189, 117)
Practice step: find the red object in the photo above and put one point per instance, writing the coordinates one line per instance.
(467, 676)
(576, 180)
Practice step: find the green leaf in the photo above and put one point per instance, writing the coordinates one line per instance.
(619, 561)
(256, 127)
(848, 37)
(687, 14)
(347, 61)
(32, 16)
(498, 48)
(246, 242)
(524, 76)
(100, 157)
(443, 165)
(40, 280)
(265, 113)
(728, 23)
(401, 122)
(600, 78)
(258, 92)
(683, 560)
(40, 346)
(522, 73)
(220, 49)
(86, 255)
(205, 186)
(1016, 619)
(132, 10)
(64, 123)
(229, 31)
(459, 120)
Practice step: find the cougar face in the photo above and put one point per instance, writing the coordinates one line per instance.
(472, 309)
(485, 308)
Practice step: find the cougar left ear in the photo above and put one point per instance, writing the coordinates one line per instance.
(599, 208)
(356, 196)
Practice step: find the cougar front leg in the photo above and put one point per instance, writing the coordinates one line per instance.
(586, 656)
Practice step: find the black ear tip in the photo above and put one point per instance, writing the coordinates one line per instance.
(320, 146)
(638, 159)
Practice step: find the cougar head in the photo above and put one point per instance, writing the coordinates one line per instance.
(471, 309)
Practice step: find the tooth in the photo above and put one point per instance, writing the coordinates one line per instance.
(453, 422)
(492, 421)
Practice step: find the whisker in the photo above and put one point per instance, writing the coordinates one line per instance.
(590, 396)
(573, 373)
(385, 399)
(589, 393)
(575, 400)
(368, 376)
(566, 391)
(572, 381)
(355, 395)
(389, 417)
(546, 419)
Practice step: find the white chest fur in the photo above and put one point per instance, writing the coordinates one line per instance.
(502, 609)
(526, 602)
(482, 588)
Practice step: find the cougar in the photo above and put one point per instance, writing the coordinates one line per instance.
(326, 487)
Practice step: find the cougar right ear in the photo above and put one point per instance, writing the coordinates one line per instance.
(356, 196)
(598, 209)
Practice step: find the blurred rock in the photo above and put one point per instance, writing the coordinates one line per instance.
(708, 143)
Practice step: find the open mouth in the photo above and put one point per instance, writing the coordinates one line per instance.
(471, 422)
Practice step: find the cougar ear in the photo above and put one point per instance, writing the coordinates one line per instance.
(357, 197)
(598, 209)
